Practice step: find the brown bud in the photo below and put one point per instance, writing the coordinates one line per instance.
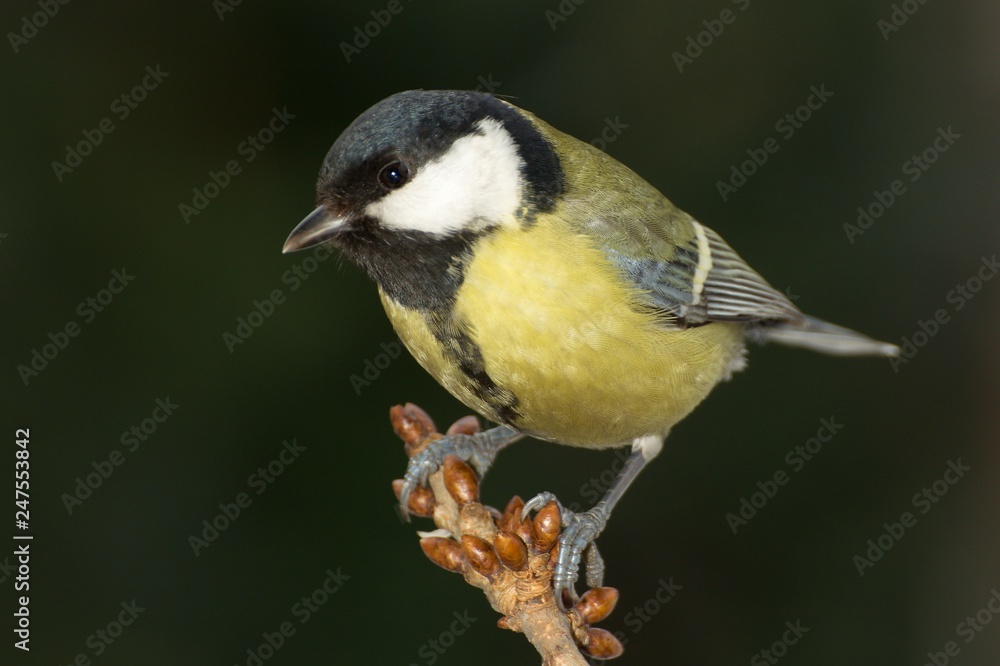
(511, 550)
(511, 514)
(514, 506)
(502, 623)
(422, 502)
(481, 555)
(467, 425)
(446, 553)
(421, 499)
(413, 425)
(525, 531)
(597, 603)
(602, 644)
(460, 480)
(547, 525)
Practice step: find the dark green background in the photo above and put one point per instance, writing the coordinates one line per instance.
(333, 508)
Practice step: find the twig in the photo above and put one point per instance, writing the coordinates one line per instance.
(511, 561)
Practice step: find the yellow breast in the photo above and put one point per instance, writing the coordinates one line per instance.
(560, 329)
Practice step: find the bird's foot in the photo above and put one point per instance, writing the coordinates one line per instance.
(580, 530)
(463, 440)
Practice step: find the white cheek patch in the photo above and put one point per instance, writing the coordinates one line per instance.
(477, 179)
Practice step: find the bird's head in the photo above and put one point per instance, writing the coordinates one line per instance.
(429, 167)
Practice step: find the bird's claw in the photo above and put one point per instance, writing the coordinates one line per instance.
(537, 502)
(580, 530)
(470, 448)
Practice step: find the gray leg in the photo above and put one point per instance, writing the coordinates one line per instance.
(479, 450)
(581, 529)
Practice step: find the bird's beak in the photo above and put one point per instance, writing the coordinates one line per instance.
(318, 226)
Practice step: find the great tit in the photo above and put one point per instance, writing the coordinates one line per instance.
(545, 285)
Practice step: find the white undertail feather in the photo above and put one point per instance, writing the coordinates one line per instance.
(650, 445)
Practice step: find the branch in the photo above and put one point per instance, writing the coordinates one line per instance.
(511, 561)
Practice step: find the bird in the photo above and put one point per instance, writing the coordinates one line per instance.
(546, 286)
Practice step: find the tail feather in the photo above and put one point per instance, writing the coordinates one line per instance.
(821, 336)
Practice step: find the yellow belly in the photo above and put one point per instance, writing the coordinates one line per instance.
(560, 330)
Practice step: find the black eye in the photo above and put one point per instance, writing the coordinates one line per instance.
(394, 174)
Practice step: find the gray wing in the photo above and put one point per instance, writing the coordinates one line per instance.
(705, 281)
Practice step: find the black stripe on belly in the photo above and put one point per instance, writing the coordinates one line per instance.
(469, 358)
(424, 272)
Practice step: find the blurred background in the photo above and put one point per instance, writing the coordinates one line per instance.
(173, 366)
